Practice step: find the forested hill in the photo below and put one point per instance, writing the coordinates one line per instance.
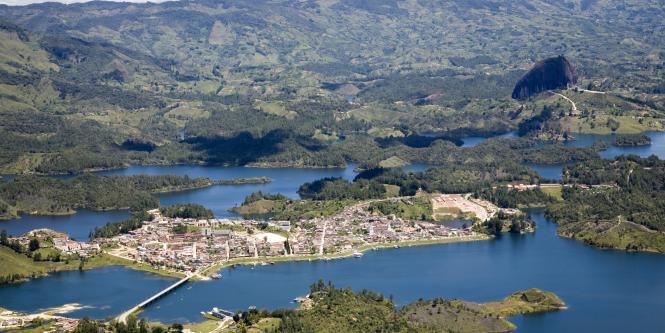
(106, 84)
(185, 41)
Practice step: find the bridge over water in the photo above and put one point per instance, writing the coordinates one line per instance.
(123, 317)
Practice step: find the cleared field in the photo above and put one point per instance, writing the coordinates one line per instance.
(276, 109)
(205, 326)
(447, 205)
(555, 192)
(393, 162)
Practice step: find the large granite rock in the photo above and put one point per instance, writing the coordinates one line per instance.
(549, 74)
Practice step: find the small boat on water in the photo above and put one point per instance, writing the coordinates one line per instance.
(215, 276)
(264, 264)
(357, 254)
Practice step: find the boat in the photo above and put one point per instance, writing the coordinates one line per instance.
(264, 264)
(357, 254)
(215, 276)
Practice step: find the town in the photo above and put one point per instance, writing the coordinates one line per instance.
(196, 245)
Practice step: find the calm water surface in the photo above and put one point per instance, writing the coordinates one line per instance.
(217, 198)
(77, 226)
(285, 181)
(607, 291)
(657, 147)
(472, 141)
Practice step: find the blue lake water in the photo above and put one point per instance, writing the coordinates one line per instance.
(285, 181)
(77, 226)
(657, 147)
(554, 171)
(606, 291)
(105, 292)
(472, 141)
(217, 198)
(609, 291)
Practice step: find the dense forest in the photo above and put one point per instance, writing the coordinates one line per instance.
(51, 196)
(453, 178)
(340, 189)
(624, 208)
(187, 211)
(332, 309)
(512, 198)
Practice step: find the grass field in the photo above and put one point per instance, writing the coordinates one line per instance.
(524, 302)
(265, 325)
(13, 263)
(276, 109)
(391, 190)
(20, 265)
(205, 326)
(554, 192)
(393, 162)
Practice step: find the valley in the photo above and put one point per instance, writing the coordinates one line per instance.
(423, 166)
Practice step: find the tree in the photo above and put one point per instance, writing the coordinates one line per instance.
(176, 328)
(613, 124)
(4, 240)
(33, 245)
(158, 329)
(87, 325)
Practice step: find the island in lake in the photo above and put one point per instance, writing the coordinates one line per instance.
(325, 309)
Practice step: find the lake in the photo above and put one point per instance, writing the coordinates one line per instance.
(217, 198)
(285, 180)
(554, 171)
(657, 147)
(606, 291)
(472, 141)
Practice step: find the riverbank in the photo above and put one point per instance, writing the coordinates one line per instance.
(18, 268)
(37, 196)
(341, 255)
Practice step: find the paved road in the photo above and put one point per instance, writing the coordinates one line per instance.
(123, 317)
(323, 236)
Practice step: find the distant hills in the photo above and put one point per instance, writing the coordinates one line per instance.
(191, 81)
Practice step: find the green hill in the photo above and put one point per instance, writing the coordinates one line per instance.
(191, 81)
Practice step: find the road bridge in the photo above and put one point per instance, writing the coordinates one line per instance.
(123, 317)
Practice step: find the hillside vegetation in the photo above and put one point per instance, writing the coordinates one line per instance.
(331, 309)
(624, 210)
(50, 196)
(310, 84)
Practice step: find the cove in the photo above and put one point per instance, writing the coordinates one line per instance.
(606, 291)
(217, 198)
(472, 141)
(555, 171)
